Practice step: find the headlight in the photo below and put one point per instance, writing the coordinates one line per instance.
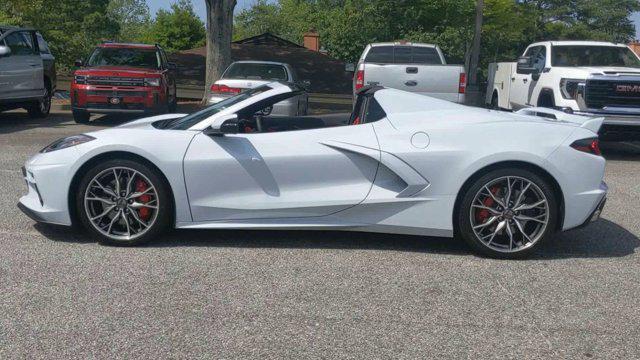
(152, 81)
(80, 79)
(67, 142)
(569, 87)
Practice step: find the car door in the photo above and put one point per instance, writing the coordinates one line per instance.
(289, 174)
(523, 85)
(22, 71)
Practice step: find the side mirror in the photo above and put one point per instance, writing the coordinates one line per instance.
(5, 50)
(350, 67)
(78, 63)
(535, 76)
(525, 65)
(172, 66)
(306, 84)
(230, 125)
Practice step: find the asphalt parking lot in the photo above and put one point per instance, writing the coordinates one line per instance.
(286, 294)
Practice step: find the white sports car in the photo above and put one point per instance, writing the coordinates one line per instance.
(403, 163)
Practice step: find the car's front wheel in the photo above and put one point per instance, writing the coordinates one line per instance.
(123, 202)
(507, 213)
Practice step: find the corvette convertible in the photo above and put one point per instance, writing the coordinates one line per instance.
(402, 163)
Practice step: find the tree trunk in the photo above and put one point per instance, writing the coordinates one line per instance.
(475, 49)
(219, 32)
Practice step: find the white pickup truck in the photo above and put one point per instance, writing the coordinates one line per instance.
(582, 77)
(419, 68)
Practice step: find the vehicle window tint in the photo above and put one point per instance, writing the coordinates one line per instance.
(426, 55)
(540, 58)
(579, 55)
(256, 71)
(380, 54)
(145, 58)
(374, 111)
(402, 55)
(42, 45)
(20, 43)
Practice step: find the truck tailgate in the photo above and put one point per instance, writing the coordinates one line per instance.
(440, 81)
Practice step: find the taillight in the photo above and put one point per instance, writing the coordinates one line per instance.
(462, 84)
(359, 80)
(224, 89)
(589, 145)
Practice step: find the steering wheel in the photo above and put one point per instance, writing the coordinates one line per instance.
(266, 111)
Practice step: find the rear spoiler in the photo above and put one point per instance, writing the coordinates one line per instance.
(590, 123)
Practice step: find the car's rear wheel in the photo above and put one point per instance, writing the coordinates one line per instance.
(42, 107)
(123, 202)
(507, 213)
(81, 117)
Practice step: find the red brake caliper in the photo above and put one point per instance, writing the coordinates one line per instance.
(483, 215)
(144, 212)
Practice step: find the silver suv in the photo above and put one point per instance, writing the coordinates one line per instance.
(27, 71)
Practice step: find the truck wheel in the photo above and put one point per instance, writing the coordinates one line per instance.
(546, 100)
(173, 103)
(494, 101)
(81, 117)
(41, 108)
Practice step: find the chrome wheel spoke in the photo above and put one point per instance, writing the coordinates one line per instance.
(509, 214)
(112, 203)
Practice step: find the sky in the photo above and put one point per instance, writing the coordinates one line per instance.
(200, 9)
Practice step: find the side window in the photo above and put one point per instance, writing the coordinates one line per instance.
(374, 111)
(42, 45)
(540, 58)
(539, 55)
(380, 54)
(20, 43)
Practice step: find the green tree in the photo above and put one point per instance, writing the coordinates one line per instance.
(132, 16)
(178, 28)
(72, 27)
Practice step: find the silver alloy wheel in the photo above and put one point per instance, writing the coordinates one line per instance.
(114, 203)
(45, 103)
(509, 214)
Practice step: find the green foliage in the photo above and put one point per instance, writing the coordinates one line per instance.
(132, 16)
(178, 28)
(72, 27)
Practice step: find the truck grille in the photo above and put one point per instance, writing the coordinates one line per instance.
(601, 93)
(114, 81)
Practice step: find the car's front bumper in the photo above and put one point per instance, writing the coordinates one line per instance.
(47, 197)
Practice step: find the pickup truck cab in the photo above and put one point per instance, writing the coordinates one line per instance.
(27, 71)
(414, 67)
(582, 77)
(123, 78)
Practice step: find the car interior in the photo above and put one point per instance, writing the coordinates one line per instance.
(258, 119)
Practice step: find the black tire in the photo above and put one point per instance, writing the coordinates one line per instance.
(42, 107)
(164, 211)
(494, 101)
(81, 117)
(463, 214)
(546, 100)
(173, 103)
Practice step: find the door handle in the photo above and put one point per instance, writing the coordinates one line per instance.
(525, 80)
(411, 83)
(412, 70)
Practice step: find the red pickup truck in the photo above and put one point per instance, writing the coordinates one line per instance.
(123, 78)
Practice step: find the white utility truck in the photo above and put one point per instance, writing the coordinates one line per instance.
(582, 77)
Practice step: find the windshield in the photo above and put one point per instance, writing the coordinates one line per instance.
(125, 57)
(188, 121)
(578, 55)
(256, 71)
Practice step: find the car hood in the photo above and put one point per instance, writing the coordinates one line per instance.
(124, 71)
